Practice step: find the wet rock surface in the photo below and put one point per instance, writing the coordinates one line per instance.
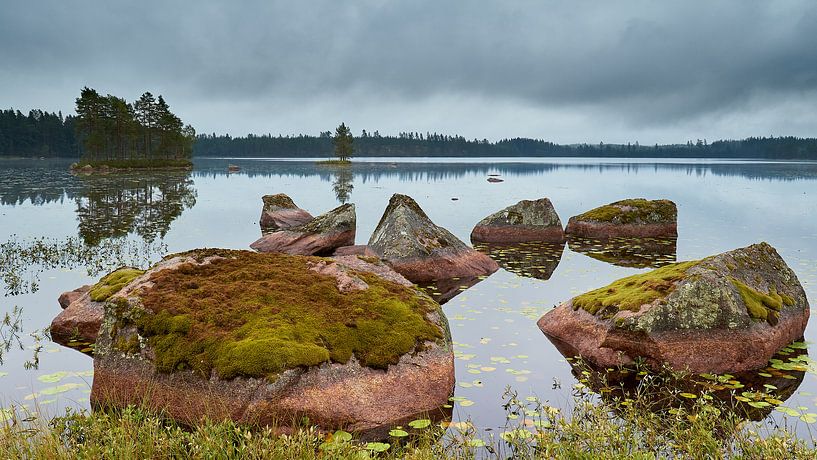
(280, 213)
(407, 240)
(627, 218)
(527, 220)
(320, 236)
(366, 389)
(726, 313)
(79, 320)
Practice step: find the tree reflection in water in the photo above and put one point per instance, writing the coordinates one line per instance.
(146, 204)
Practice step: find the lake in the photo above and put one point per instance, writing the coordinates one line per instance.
(111, 220)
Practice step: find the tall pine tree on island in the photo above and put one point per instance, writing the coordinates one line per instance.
(343, 143)
(145, 134)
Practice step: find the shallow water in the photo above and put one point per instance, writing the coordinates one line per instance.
(722, 205)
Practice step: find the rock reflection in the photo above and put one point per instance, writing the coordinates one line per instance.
(751, 395)
(443, 290)
(145, 203)
(628, 252)
(532, 260)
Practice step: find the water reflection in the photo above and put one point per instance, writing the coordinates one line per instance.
(751, 395)
(115, 205)
(628, 252)
(342, 185)
(532, 260)
(443, 290)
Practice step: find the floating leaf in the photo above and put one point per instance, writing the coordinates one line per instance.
(809, 418)
(759, 404)
(466, 403)
(475, 443)
(3, 374)
(61, 388)
(420, 423)
(341, 436)
(53, 378)
(398, 433)
(689, 395)
(788, 411)
(378, 446)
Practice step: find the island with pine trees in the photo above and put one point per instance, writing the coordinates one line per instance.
(113, 134)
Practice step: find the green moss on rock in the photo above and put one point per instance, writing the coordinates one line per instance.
(632, 292)
(113, 283)
(256, 315)
(762, 306)
(633, 211)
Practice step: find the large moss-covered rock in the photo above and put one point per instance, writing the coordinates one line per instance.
(627, 218)
(528, 220)
(320, 236)
(280, 213)
(421, 251)
(272, 338)
(725, 313)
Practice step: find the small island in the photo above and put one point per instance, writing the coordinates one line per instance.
(116, 135)
(344, 149)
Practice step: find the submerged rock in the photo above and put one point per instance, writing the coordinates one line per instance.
(80, 319)
(635, 218)
(271, 339)
(528, 220)
(414, 246)
(320, 236)
(280, 213)
(726, 313)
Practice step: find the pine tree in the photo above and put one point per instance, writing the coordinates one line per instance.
(343, 142)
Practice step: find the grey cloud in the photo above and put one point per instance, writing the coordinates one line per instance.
(636, 67)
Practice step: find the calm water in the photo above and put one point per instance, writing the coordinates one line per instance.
(722, 206)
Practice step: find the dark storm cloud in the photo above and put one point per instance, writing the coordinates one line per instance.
(569, 71)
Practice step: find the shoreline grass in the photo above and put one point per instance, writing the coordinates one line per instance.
(592, 427)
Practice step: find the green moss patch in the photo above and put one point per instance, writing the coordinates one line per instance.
(113, 283)
(632, 211)
(762, 306)
(632, 292)
(255, 315)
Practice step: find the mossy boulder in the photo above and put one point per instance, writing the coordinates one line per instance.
(407, 240)
(81, 317)
(269, 339)
(280, 213)
(525, 221)
(320, 236)
(726, 313)
(627, 218)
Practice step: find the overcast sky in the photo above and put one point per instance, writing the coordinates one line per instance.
(567, 71)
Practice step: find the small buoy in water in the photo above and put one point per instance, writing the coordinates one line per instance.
(494, 179)
(233, 168)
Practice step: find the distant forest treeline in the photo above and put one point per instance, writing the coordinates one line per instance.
(440, 145)
(38, 134)
(43, 134)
